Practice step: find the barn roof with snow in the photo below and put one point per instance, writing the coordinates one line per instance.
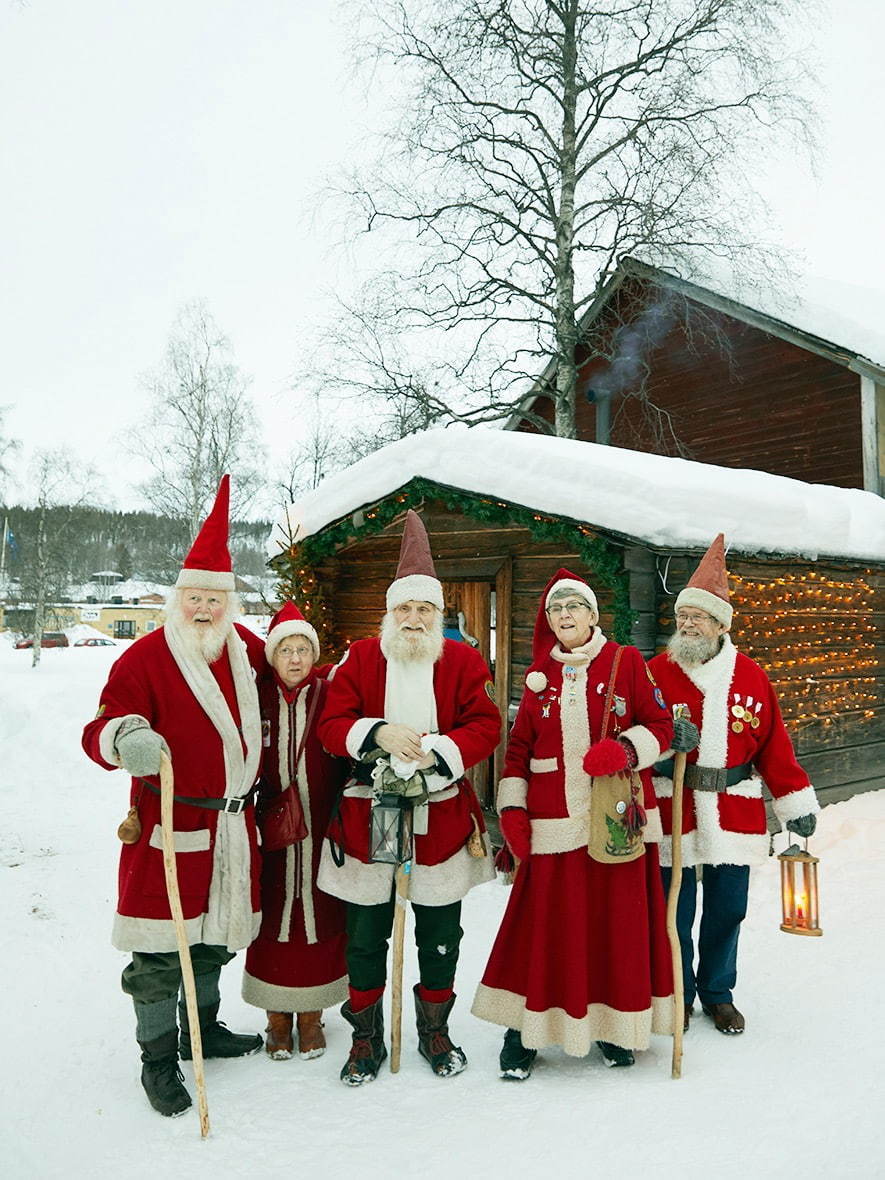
(661, 502)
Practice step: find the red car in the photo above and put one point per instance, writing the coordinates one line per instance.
(50, 639)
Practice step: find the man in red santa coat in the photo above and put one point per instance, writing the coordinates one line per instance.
(188, 689)
(743, 741)
(424, 704)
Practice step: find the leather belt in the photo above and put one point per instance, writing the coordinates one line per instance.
(707, 778)
(232, 804)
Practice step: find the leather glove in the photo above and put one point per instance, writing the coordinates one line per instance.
(139, 751)
(606, 757)
(803, 825)
(516, 828)
(686, 735)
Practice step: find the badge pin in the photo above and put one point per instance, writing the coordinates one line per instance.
(619, 706)
(754, 721)
(620, 807)
(737, 726)
(737, 710)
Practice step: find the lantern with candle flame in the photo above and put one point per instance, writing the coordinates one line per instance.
(799, 896)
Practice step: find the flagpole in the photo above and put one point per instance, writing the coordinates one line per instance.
(3, 550)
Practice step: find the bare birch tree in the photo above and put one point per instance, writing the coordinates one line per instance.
(59, 480)
(201, 424)
(540, 142)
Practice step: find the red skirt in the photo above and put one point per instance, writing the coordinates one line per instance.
(582, 954)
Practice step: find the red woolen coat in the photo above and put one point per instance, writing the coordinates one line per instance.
(582, 952)
(147, 681)
(468, 728)
(732, 702)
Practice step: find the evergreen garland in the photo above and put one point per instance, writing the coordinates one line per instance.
(295, 566)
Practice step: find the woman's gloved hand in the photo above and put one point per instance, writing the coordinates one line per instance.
(609, 756)
(516, 828)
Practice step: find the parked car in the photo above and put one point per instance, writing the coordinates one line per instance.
(94, 641)
(50, 639)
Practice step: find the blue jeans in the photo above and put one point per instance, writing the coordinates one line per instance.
(724, 908)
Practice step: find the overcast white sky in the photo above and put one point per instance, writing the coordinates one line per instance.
(153, 152)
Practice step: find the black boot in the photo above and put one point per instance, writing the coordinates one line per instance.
(218, 1040)
(162, 1079)
(367, 1051)
(516, 1060)
(434, 1044)
(616, 1055)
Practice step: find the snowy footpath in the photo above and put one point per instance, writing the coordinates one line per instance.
(800, 1094)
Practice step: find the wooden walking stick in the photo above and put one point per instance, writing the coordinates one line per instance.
(672, 901)
(396, 983)
(184, 952)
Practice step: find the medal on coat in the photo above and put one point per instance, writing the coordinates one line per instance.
(619, 706)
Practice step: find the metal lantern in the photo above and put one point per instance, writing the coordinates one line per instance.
(799, 895)
(390, 830)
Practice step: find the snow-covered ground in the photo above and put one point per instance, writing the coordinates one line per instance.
(799, 1094)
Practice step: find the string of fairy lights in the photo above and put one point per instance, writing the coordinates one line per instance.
(824, 657)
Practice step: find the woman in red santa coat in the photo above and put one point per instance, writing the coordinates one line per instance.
(582, 953)
(297, 964)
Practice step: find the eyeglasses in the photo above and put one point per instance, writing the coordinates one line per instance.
(682, 617)
(286, 651)
(572, 608)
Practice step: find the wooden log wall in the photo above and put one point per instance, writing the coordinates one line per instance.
(730, 393)
(355, 581)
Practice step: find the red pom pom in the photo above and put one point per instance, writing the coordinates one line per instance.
(606, 757)
(516, 827)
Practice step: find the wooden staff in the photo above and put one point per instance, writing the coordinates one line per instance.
(672, 901)
(396, 983)
(167, 783)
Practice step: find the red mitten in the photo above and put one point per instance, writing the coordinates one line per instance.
(516, 828)
(606, 757)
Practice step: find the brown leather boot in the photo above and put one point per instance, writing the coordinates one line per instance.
(278, 1042)
(311, 1042)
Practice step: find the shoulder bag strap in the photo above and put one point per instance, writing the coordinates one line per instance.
(609, 696)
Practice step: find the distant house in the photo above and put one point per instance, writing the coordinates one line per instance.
(505, 509)
(670, 367)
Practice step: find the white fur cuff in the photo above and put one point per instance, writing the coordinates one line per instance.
(644, 743)
(107, 739)
(512, 792)
(358, 732)
(802, 802)
(447, 750)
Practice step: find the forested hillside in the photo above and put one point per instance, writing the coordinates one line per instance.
(81, 541)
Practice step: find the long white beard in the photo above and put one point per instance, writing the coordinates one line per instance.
(426, 648)
(689, 651)
(203, 641)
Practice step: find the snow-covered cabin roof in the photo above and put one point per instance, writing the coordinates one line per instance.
(653, 499)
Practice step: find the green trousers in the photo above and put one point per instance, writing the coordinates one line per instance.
(438, 936)
(153, 977)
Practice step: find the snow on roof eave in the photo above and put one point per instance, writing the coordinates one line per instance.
(754, 317)
(660, 502)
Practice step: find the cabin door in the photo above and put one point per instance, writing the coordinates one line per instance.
(478, 613)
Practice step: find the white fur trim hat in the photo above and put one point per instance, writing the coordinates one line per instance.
(208, 565)
(572, 584)
(707, 588)
(289, 621)
(415, 575)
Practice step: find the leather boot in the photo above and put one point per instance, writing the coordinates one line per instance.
(218, 1040)
(367, 1051)
(515, 1060)
(434, 1044)
(278, 1041)
(161, 1078)
(616, 1055)
(311, 1042)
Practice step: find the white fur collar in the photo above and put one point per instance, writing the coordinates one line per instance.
(585, 654)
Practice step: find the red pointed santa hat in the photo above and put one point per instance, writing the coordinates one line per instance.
(707, 588)
(415, 576)
(208, 565)
(544, 640)
(289, 621)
